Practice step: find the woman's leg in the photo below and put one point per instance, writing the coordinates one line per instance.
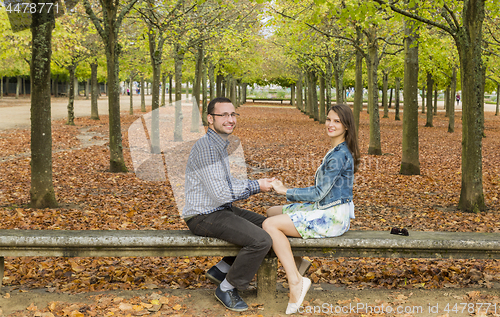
(279, 227)
(274, 211)
(278, 210)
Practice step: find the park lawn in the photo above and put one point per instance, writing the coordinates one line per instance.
(280, 142)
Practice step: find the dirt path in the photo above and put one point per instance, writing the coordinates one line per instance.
(322, 300)
(15, 113)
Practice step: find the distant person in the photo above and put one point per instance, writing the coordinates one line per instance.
(327, 206)
(210, 191)
(128, 92)
(458, 98)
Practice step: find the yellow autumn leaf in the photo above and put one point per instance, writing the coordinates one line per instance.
(177, 307)
(156, 302)
(137, 307)
(76, 313)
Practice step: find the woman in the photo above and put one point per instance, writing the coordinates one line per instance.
(327, 206)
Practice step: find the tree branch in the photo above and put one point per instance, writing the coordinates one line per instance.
(451, 31)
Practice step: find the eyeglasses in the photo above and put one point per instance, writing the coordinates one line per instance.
(226, 115)
(400, 231)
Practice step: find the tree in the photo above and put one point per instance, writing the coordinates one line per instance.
(410, 163)
(71, 48)
(109, 28)
(42, 193)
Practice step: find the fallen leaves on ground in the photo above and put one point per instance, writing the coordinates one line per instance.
(280, 142)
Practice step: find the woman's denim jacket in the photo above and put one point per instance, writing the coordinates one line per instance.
(333, 180)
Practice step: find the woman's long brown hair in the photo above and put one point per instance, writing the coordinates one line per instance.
(347, 119)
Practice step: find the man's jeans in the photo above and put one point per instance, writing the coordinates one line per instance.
(243, 228)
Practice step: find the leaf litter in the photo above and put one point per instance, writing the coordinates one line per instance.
(277, 141)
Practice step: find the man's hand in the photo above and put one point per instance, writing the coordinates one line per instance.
(265, 184)
(279, 187)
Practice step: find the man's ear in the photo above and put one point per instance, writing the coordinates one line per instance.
(210, 119)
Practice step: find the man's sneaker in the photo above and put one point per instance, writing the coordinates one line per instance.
(231, 299)
(215, 275)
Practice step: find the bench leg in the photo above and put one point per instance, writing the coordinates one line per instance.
(266, 278)
(1, 272)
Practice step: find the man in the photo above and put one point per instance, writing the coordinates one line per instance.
(209, 192)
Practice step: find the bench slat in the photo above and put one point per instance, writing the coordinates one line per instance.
(464, 245)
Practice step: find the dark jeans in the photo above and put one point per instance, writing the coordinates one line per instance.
(241, 227)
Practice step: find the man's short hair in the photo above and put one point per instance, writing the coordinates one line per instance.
(211, 105)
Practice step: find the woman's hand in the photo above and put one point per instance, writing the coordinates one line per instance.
(279, 187)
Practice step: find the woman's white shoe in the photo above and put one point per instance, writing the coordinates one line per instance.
(292, 308)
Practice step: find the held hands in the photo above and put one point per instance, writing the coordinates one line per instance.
(279, 187)
(265, 184)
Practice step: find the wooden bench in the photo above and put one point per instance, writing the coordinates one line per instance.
(270, 99)
(158, 243)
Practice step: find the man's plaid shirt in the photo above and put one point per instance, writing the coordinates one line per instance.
(209, 185)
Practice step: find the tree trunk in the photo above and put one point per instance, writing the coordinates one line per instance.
(328, 87)
(195, 113)
(423, 98)
(116, 161)
(178, 59)
(498, 99)
(1, 87)
(472, 70)
(142, 92)
(396, 97)
(71, 95)
(187, 90)
(292, 95)
(447, 99)
(306, 94)
(358, 84)
(385, 85)
(94, 110)
(219, 92)
(229, 88)
(211, 79)
(322, 104)
(18, 86)
(435, 99)
(155, 53)
(131, 96)
(42, 193)
(451, 114)
(430, 84)
(309, 109)
(314, 96)
(390, 97)
(163, 89)
(245, 88)
(76, 87)
(204, 95)
(339, 80)
(410, 163)
(87, 89)
(375, 147)
(170, 90)
(300, 102)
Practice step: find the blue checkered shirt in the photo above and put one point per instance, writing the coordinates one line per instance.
(209, 185)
